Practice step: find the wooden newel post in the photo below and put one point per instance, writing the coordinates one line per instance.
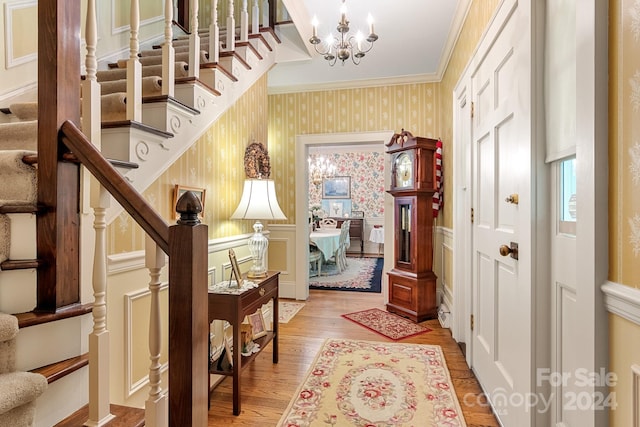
(189, 327)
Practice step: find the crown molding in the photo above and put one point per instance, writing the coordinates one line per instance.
(462, 10)
(354, 84)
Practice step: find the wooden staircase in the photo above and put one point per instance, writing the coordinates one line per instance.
(168, 125)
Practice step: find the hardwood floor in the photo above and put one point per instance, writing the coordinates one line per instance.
(268, 388)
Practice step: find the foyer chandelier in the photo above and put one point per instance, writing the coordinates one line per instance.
(346, 45)
(319, 169)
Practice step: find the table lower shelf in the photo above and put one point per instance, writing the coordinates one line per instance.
(245, 360)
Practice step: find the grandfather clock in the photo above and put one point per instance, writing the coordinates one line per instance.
(412, 283)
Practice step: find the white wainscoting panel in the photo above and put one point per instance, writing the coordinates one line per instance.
(19, 33)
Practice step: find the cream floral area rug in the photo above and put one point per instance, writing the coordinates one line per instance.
(288, 309)
(364, 383)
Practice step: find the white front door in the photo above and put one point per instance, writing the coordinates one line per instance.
(502, 349)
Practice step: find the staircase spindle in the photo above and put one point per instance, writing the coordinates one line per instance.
(255, 18)
(265, 13)
(90, 86)
(244, 22)
(214, 33)
(194, 42)
(99, 406)
(168, 52)
(156, 406)
(231, 28)
(134, 69)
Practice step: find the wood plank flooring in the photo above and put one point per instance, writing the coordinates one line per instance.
(268, 388)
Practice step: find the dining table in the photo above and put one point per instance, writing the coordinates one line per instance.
(327, 240)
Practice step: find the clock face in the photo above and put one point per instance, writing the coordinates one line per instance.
(404, 170)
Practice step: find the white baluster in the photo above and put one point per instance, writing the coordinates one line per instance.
(134, 69)
(244, 22)
(90, 86)
(255, 18)
(156, 406)
(168, 52)
(214, 34)
(231, 29)
(265, 13)
(194, 42)
(99, 407)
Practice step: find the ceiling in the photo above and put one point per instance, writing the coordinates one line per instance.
(416, 38)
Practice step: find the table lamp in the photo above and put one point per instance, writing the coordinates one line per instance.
(258, 202)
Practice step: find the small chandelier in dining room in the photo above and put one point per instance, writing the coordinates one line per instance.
(346, 45)
(319, 169)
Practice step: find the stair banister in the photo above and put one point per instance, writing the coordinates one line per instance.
(244, 22)
(214, 34)
(194, 42)
(186, 245)
(134, 68)
(156, 408)
(168, 52)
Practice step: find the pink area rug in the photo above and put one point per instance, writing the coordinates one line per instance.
(387, 324)
(362, 383)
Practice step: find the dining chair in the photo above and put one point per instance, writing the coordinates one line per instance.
(315, 257)
(328, 223)
(344, 234)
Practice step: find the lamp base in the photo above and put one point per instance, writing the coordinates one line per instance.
(256, 275)
(257, 244)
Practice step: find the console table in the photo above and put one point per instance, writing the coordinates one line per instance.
(233, 308)
(356, 229)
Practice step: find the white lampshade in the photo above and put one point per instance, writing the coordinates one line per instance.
(258, 201)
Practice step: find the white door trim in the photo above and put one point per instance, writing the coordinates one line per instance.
(303, 142)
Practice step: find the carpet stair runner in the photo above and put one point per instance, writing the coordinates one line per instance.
(18, 390)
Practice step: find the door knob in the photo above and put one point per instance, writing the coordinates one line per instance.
(510, 250)
(512, 198)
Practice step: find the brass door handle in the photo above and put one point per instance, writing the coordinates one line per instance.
(512, 198)
(510, 250)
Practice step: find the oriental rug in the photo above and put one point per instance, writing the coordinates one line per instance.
(363, 383)
(387, 324)
(361, 275)
(288, 309)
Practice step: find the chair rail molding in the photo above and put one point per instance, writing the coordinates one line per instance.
(622, 300)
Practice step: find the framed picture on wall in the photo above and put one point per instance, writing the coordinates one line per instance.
(179, 190)
(338, 187)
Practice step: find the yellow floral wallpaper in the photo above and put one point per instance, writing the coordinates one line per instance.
(624, 187)
(413, 107)
(216, 163)
(477, 20)
(624, 145)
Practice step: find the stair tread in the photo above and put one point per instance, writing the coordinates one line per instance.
(60, 369)
(20, 264)
(18, 208)
(31, 318)
(124, 416)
